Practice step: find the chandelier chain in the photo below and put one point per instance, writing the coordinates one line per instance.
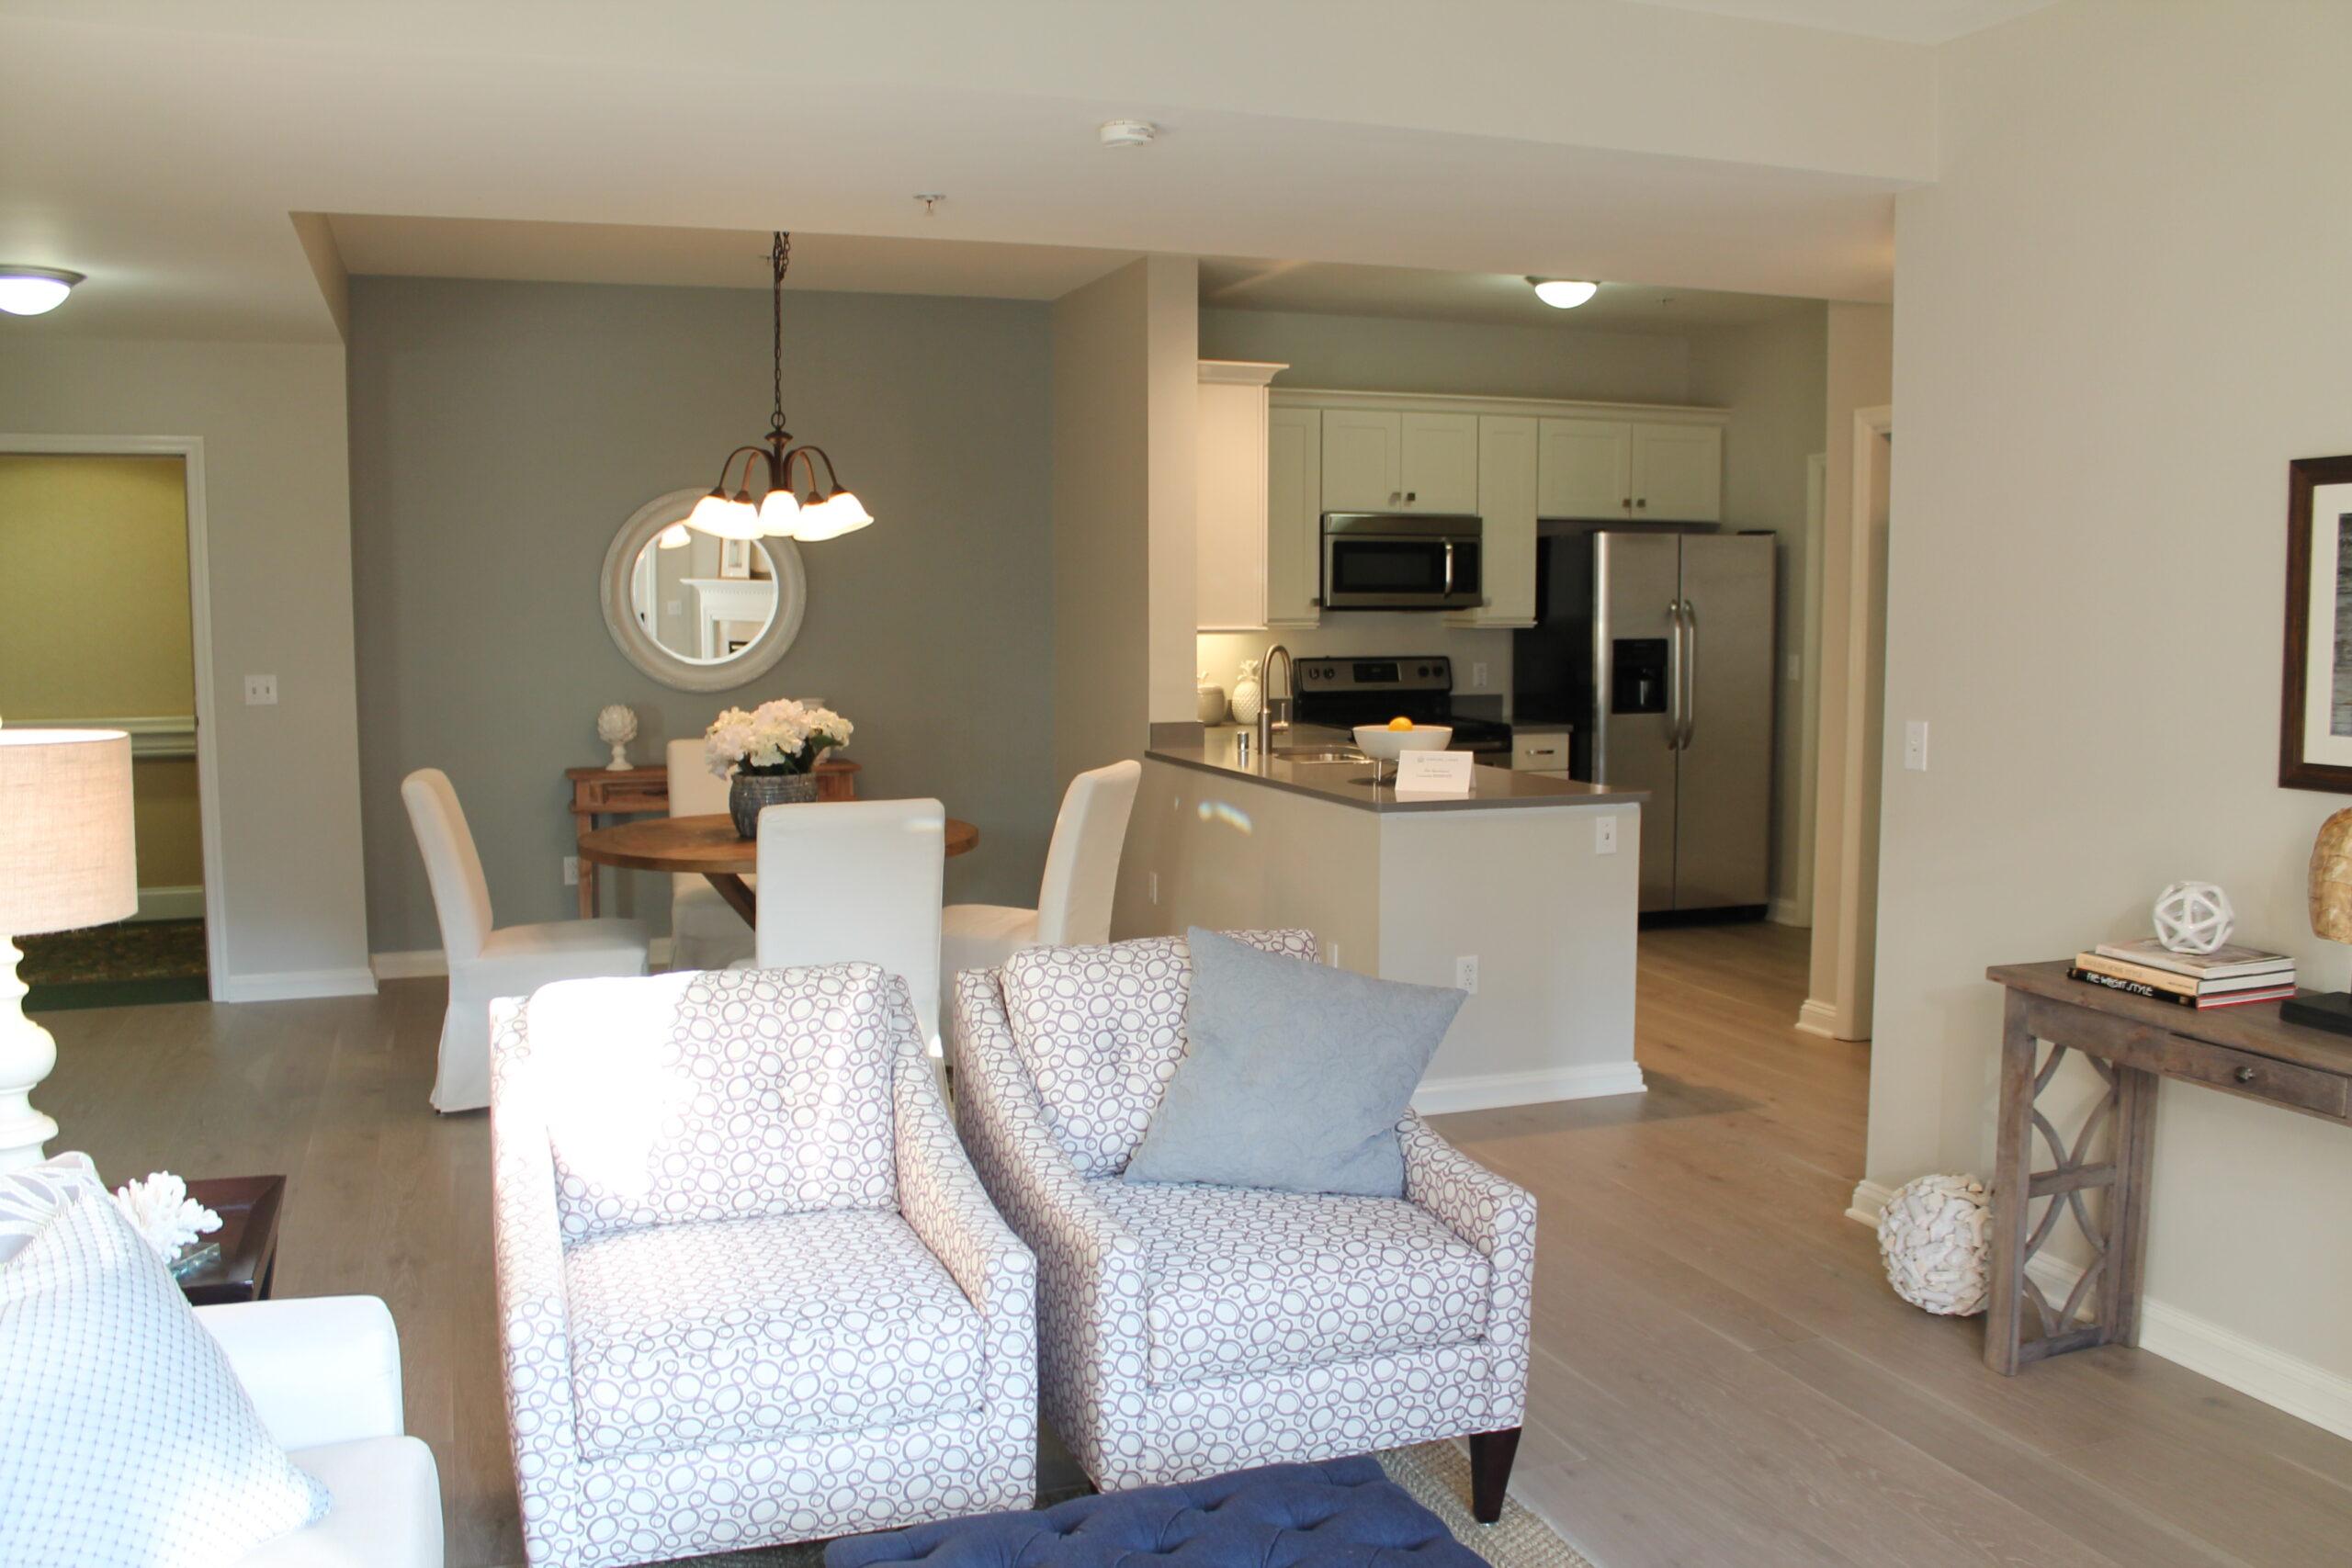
(779, 262)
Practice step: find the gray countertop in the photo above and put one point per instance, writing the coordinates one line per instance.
(1350, 783)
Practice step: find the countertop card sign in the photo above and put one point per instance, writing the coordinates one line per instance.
(1433, 772)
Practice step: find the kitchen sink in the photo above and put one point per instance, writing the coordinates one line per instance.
(1307, 754)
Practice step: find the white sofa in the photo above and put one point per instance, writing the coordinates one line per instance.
(1192, 1329)
(324, 1372)
(749, 1290)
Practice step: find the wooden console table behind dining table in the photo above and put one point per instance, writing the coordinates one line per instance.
(642, 792)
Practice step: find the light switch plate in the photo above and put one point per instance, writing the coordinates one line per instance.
(261, 690)
(1914, 745)
(1478, 675)
(1604, 835)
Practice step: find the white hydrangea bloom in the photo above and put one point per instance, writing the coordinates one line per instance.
(779, 734)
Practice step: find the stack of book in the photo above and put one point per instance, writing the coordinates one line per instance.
(2228, 977)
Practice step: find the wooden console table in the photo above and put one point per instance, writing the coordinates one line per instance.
(2132, 1042)
(644, 792)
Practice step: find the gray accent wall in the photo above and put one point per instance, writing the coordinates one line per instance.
(502, 432)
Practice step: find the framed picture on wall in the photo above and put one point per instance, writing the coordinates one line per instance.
(2315, 711)
(735, 558)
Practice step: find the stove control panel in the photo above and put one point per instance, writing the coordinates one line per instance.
(1430, 674)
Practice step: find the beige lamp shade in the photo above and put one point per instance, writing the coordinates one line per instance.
(66, 856)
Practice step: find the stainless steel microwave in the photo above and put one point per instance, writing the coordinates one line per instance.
(1394, 561)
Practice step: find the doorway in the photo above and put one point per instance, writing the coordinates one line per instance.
(102, 624)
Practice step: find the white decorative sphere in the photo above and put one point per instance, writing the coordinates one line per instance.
(617, 727)
(2194, 917)
(1932, 1237)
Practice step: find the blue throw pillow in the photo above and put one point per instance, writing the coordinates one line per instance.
(1296, 1075)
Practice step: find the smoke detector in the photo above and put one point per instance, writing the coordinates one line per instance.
(1127, 132)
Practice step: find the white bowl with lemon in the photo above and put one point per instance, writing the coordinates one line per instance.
(1386, 741)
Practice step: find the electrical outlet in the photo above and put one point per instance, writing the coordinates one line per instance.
(1478, 675)
(1604, 835)
(572, 870)
(1332, 953)
(1914, 745)
(1465, 974)
(1155, 887)
(261, 690)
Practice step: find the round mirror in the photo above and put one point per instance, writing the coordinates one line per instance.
(696, 611)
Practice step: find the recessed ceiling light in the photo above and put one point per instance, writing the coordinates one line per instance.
(1127, 132)
(35, 290)
(1563, 294)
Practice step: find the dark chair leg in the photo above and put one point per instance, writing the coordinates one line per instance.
(1490, 1457)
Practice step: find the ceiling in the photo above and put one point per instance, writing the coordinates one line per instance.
(1579, 137)
(710, 258)
(1495, 298)
(1907, 21)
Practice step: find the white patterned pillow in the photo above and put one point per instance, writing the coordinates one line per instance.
(713, 1095)
(1101, 1029)
(128, 1439)
(30, 1198)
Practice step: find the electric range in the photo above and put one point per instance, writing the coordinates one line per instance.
(1339, 694)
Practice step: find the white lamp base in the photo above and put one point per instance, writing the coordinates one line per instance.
(27, 1054)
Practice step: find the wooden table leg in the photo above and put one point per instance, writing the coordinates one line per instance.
(2127, 1205)
(581, 825)
(2012, 1185)
(739, 897)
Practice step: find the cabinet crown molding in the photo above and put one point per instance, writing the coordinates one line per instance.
(1239, 372)
(1448, 403)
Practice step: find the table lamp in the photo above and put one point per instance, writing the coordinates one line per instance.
(2329, 898)
(66, 860)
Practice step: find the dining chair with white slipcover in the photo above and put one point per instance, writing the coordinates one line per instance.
(484, 962)
(1074, 901)
(856, 882)
(705, 930)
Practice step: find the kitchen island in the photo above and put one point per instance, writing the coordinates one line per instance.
(1534, 880)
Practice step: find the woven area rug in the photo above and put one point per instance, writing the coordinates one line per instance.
(1437, 1474)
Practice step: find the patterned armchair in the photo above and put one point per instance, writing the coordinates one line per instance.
(749, 1290)
(1191, 1329)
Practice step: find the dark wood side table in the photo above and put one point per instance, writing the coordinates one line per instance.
(248, 1207)
(644, 792)
(2132, 1042)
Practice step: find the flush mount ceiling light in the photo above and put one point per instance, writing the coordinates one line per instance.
(1563, 294)
(1126, 132)
(34, 290)
(830, 511)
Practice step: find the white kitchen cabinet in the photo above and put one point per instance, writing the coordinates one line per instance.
(1678, 473)
(1508, 468)
(1294, 540)
(1438, 463)
(1363, 460)
(1229, 532)
(1586, 467)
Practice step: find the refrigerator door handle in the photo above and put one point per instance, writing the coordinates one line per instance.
(1689, 700)
(1674, 668)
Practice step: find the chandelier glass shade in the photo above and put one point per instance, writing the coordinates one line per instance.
(796, 503)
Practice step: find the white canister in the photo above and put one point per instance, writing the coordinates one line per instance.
(1208, 701)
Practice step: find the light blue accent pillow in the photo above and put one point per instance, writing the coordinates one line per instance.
(1294, 1076)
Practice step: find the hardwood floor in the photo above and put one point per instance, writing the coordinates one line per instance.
(1721, 1375)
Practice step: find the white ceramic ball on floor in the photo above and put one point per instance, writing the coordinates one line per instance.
(1933, 1238)
(2194, 917)
(617, 727)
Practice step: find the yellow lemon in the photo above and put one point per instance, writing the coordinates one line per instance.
(1400, 723)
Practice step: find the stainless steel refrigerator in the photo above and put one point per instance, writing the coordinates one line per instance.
(1659, 647)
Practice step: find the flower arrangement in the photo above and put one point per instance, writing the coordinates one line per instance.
(780, 736)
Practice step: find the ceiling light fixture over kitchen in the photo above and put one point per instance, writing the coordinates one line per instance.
(1563, 294)
(34, 290)
(831, 510)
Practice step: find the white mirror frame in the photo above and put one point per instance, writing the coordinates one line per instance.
(638, 646)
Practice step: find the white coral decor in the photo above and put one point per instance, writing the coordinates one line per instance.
(1932, 1236)
(781, 737)
(160, 1210)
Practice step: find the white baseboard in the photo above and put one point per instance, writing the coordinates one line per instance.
(1789, 912)
(1868, 1202)
(171, 903)
(427, 963)
(2309, 1392)
(293, 985)
(1486, 1092)
(1818, 1017)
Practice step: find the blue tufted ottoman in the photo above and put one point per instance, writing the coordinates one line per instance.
(1346, 1513)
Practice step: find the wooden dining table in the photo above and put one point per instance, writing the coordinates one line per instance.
(710, 847)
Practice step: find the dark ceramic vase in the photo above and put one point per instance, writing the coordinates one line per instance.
(748, 795)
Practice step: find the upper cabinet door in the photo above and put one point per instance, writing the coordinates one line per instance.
(1585, 468)
(1229, 535)
(1678, 473)
(1507, 469)
(1294, 517)
(1440, 462)
(1363, 461)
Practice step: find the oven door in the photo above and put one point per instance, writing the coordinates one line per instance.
(1383, 561)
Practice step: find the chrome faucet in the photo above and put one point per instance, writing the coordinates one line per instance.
(1266, 724)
